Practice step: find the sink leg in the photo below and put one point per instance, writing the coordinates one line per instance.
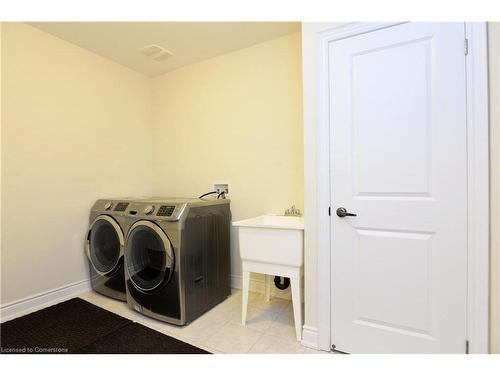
(268, 288)
(297, 306)
(246, 286)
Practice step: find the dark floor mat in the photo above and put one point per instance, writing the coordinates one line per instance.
(77, 326)
(62, 328)
(138, 339)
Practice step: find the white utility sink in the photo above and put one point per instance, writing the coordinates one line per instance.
(273, 245)
(272, 239)
(272, 221)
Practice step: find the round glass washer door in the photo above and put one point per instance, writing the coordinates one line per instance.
(105, 244)
(149, 256)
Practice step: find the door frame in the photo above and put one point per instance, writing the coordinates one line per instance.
(476, 61)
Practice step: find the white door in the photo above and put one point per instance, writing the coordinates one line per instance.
(398, 161)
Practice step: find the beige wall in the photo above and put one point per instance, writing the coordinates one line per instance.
(75, 127)
(236, 118)
(494, 70)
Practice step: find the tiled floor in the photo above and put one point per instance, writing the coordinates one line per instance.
(269, 327)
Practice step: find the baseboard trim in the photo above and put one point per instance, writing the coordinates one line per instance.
(310, 337)
(38, 301)
(258, 286)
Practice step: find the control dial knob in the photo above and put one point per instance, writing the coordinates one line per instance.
(148, 210)
(108, 205)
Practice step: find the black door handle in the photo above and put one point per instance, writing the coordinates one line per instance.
(342, 212)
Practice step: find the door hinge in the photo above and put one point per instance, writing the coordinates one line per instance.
(466, 346)
(330, 211)
(466, 46)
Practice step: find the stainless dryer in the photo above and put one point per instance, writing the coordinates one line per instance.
(104, 246)
(177, 257)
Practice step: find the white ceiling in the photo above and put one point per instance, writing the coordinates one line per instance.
(189, 42)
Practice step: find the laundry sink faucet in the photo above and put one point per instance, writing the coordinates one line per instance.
(292, 211)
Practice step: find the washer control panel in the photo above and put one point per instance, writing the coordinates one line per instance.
(149, 210)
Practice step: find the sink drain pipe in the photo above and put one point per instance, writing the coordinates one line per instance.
(281, 282)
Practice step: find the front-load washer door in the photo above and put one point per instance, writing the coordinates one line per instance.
(105, 242)
(149, 256)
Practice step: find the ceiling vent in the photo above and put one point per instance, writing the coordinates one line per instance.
(156, 52)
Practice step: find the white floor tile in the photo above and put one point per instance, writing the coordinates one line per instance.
(288, 310)
(273, 345)
(95, 298)
(257, 319)
(275, 305)
(204, 347)
(283, 327)
(201, 329)
(269, 329)
(234, 338)
(223, 312)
